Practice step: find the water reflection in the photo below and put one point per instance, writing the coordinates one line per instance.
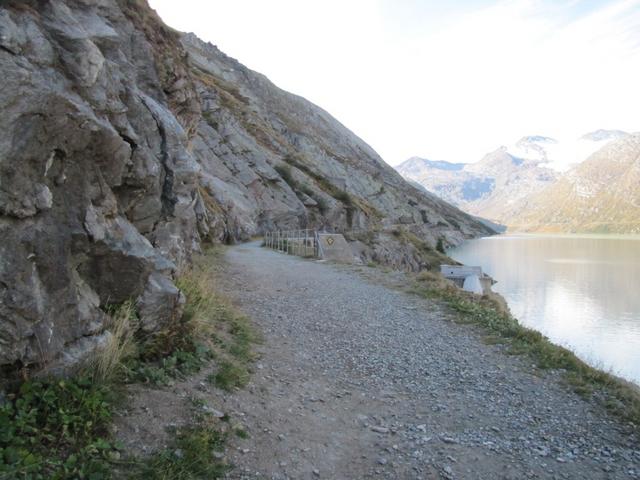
(581, 291)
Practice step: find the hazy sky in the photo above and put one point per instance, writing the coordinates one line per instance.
(442, 80)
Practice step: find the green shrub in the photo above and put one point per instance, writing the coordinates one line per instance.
(57, 429)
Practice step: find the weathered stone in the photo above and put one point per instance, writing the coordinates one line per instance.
(111, 175)
(12, 39)
(160, 304)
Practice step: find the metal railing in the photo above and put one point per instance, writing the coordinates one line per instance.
(294, 242)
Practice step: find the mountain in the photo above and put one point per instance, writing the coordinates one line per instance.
(491, 188)
(506, 182)
(125, 145)
(604, 135)
(600, 195)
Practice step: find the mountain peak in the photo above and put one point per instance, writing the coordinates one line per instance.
(603, 134)
(536, 139)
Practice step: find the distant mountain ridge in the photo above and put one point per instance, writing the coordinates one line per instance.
(518, 187)
(601, 134)
(600, 195)
(487, 188)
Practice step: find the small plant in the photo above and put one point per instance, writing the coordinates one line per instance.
(164, 371)
(229, 376)
(241, 432)
(191, 456)
(57, 429)
(440, 245)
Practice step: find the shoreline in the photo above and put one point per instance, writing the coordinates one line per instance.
(572, 289)
(492, 314)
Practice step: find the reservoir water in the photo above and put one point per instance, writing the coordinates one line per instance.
(581, 291)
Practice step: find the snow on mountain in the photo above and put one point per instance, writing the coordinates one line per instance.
(561, 155)
(500, 184)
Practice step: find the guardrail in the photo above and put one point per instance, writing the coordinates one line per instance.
(294, 242)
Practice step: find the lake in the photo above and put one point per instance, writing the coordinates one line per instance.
(581, 291)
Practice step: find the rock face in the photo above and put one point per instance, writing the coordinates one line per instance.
(124, 145)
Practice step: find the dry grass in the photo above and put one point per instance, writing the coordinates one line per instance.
(214, 321)
(209, 202)
(121, 345)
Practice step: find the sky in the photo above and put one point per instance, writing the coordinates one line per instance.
(440, 80)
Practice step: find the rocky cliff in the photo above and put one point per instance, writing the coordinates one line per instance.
(124, 145)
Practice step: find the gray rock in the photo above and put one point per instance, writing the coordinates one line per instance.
(123, 145)
(380, 429)
(160, 304)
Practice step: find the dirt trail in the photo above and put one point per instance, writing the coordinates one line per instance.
(360, 380)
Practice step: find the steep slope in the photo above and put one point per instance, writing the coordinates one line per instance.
(324, 174)
(492, 188)
(124, 145)
(601, 194)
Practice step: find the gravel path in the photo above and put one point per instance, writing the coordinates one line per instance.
(360, 380)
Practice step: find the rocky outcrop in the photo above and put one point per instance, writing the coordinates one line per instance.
(124, 145)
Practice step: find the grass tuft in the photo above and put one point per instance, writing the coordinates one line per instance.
(210, 328)
(229, 376)
(109, 361)
(191, 456)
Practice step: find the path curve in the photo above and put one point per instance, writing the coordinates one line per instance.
(360, 380)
